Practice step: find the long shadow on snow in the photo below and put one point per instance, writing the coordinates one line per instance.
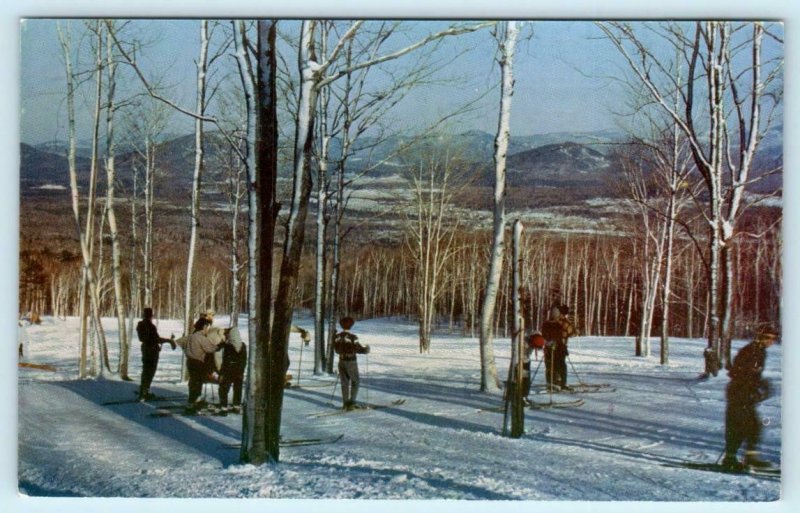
(435, 482)
(681, 436)
(322, 400)
(172, 427)
(458, 395)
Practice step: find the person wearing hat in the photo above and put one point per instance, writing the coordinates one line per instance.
(556, 331)
(347, 347)
(745, 390)
(151, 347)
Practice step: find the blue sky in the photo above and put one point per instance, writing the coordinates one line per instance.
(560, 73)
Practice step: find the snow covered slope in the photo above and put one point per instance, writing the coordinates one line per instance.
(444, 442)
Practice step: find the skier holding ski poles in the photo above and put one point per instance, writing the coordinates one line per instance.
(556, 331)
(347, 347)
(746, 389)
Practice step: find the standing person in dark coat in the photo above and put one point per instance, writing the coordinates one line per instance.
(151, 347)
(745, 390)
(234, 363)
(556, 330)
(347, 347)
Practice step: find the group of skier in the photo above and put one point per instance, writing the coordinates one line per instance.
(201, 349)
(747, 386)
(745, 390)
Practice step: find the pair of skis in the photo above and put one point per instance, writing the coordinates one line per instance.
(533, 405)
(769, 472)
(581, 388)
(361, 408)
(297, 442)
(156, 399)
(170, 410)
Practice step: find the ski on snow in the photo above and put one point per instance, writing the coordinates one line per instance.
(171, 410)
(180, 411)
(533, 405)
(298, 442)
(556, 404)
(365, 407)
(577, 389)
(774, 473)
(155, 399)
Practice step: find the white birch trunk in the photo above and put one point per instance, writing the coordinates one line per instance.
(197, 176)
(116, 268)
(488, 367)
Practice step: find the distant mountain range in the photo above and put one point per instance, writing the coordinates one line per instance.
(568, 160)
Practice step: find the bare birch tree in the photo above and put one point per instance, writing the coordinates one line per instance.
(110, 163)
(723, 63)
(507, 40)
(430, 233)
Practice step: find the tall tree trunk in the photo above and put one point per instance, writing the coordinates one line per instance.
(320, 274)
(262, 164)
(295, 231)
(197, 175)
(116, 267)
(517, 338)
(488, 367)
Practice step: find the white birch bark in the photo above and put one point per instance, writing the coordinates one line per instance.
(116, 268)
(197, 176)
(489, 378)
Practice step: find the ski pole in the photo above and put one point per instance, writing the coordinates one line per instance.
(537, 370)
(720, 456)
(507, 397)
(575, 371)
(552, 371)
(366, 375)
(300, 361)
(334, 386)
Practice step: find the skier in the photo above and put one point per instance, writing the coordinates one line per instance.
(231, 373)
(533, 343)
(745, 390)
(347, 347)
(556, 331)
(151, 347)
(22, 336)
(197, 348)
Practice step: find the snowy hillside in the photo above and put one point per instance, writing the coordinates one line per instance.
(444, 442)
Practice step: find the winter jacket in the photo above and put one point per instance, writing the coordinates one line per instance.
(198, 346)
(234, 357)
(347, 347)
(746, 383)
(148, 336)
(558, 330)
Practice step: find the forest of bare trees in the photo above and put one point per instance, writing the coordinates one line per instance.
(694, 255)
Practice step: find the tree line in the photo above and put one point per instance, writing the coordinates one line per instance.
(684, 262)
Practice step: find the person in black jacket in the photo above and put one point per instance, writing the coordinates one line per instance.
(347, 347)
(231, 373)
(745, 390)
(151, 347)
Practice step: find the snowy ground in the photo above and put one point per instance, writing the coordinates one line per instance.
(440, 444)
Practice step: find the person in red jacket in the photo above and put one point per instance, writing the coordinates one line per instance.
(347, 347)
(745, 390)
